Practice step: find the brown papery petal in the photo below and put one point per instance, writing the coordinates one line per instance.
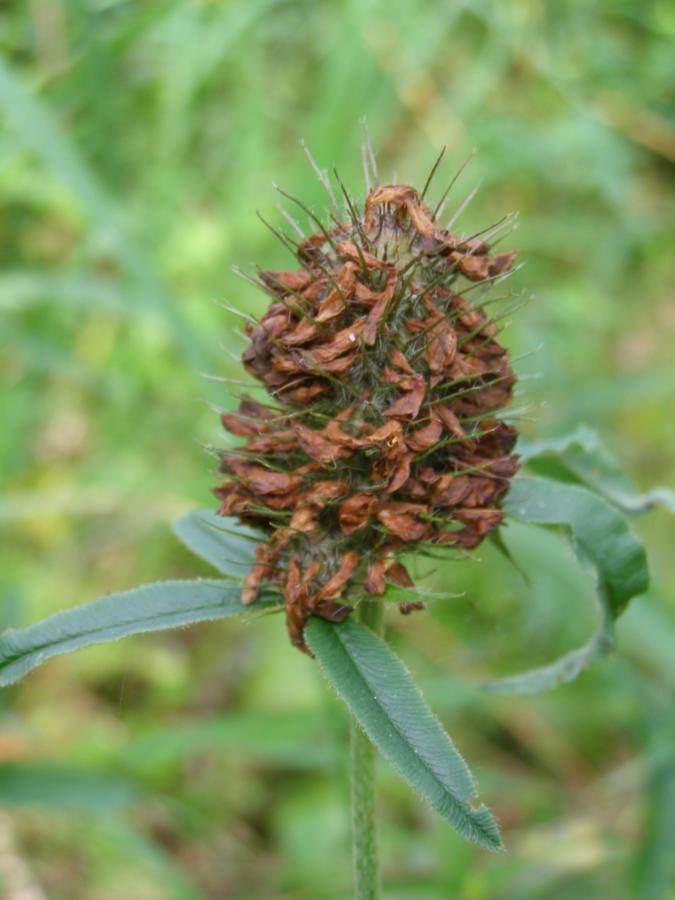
(332, 589)
(441, 348)
(365, 295)
(375, 582)
(347, 249)
(482, 520)
(281, 502)
(264, 567)
(401, 519)
(502, 263)
(285, 282)
(252, 410)
(304, 332)
(355, 512)
(277, 442)
(340, 342)
(424, 438)
(341, 364)
(410, 606)
(334, 304)
(408, 406)
(317, 446)
(323, 492)
(449, 419)
(305, 392)
(450, 490)
(400, 360)
(262, 480)
(331, 611)
(242, 427)
(390, 435)
(398, 575)
(305, 518)
(399, 474)
(296, 595)
(378, 311)
(234, 500)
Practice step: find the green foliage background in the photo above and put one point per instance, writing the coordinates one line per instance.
(137, 141)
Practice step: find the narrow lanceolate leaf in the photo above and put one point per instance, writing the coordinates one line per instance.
(382, 697)
(225, 543)
(583, 457)
(605, 545)
(152, 607)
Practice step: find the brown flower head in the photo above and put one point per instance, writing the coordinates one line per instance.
(383, 433)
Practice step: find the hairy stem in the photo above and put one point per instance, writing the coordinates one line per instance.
(364, 824)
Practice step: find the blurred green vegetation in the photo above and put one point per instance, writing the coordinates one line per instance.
(137, 141)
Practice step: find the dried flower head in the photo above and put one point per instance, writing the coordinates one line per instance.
(384, 433)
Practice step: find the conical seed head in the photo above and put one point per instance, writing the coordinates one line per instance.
(383, 432)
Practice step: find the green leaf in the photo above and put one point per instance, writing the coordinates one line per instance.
(384, 700)
(583, 457)
(152, 607)
(224, 543)
(604, 544)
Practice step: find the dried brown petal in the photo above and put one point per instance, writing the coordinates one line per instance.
(449, 419)
(277, 442)
(347, 339)
(408, 406)
(263, 569)
(347, 250)
(401, 519)
(378, 311)
(450, 490)
(410, 606)
(317, 446)
(296, 595)
(305, 518)
(304, 332)
(333, 588)
(375, 579)
(331, 611)
(441, 348)
(400, 360)
(425, 437)
(398, 575)
(305, 393)
(287, 282)
(262, 480)
(355, 512)
(242, 427)
(398, 474)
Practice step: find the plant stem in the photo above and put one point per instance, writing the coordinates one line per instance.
(364, 824)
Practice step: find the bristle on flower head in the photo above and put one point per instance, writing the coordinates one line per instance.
(383, 435)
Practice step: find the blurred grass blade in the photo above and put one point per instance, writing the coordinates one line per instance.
(152, 607)
(384, 700)
(135, 845)
(21, 290)
(59, 788)
(584, 457)
(297, 739)
(216, 539)
(605, 545)
(40, 131)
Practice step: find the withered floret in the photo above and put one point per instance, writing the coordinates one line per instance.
(383, 433)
